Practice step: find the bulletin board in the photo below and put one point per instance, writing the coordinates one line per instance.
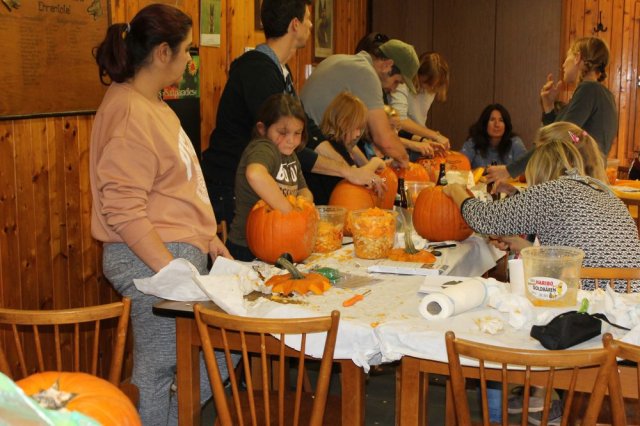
(47, 62)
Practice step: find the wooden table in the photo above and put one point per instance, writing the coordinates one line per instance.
(412, 386)
(352, 377)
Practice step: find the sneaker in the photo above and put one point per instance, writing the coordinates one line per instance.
(555, 414)
(516, 402)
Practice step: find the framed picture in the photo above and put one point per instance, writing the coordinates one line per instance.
(323, 29)
(256, 15)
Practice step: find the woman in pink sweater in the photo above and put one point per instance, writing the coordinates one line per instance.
(150, 203)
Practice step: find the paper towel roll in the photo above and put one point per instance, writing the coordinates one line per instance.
(453, 300)
(516, 277)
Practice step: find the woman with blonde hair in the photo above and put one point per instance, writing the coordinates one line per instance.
(343, 123)
(592, 106)
(562, 207)
(591, 155)
(432, 83)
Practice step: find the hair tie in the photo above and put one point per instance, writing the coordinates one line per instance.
(575, 138)
(126, 31)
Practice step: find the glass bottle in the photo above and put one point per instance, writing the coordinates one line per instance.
(442, 176)
(401, 195)
(634, 167)
(490, 185)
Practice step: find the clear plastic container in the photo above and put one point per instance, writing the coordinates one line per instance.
(373, 232)
(330, 228)
(552, 275)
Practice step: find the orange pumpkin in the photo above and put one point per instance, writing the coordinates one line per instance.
(93, 396)
(389, 196)
(454, 160)
(415, 172)
(437, 218)
(422, 256)
(271, 232)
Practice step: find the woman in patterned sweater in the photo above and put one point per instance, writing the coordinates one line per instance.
(562, 206)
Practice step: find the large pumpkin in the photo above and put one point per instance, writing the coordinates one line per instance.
(454, 160)
(92, 396)
(437, 218)
(271, 232)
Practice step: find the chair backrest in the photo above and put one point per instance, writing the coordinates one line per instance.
(613, 276)
(628, 352)
(528, 367)
(254, 336)
(65, 340)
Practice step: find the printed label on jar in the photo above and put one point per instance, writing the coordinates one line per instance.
(545, 288)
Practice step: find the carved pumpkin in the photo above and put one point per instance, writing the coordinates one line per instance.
(437, 218)
(271, 232)
(453, 159)
(90, 395)
(295, 281)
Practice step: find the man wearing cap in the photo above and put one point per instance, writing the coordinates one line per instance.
(366, 76)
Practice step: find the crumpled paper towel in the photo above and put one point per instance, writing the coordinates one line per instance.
(173, 282)
(620, 308)
(227, 284)
(518, 308)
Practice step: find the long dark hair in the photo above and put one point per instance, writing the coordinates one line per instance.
(126, 47)
(277, 106)
(478, 132)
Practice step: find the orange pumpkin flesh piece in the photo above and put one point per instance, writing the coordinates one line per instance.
(422, 256)
(312, 282)
(95, 397)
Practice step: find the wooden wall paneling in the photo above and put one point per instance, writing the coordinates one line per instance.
(521, 68)
(613, 19)
(464, 33)
(25, 220)
(11, 270)
(9, 247)
(41, 207)
(415, 25)
(73, 223)
(60, 275)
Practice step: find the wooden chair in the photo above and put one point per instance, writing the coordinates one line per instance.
(609, 274)
(624, 383)
(65, 340)
(533, 368)
(253, 336)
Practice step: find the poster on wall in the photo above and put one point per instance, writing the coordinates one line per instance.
(48, 67)
(210, 15)
(323, 29)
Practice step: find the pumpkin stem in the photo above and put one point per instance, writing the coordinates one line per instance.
(53, 398)
(295, 274)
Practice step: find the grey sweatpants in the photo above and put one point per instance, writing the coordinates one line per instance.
(154, 337)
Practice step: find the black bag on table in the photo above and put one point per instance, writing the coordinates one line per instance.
(569, 329)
